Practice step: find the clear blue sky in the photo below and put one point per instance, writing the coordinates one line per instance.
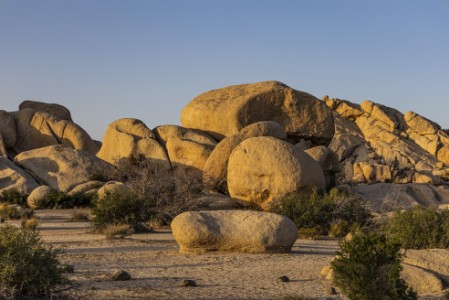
(107, 59)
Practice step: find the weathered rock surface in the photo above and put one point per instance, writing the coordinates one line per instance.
(37, 129)
(3, 151)
(112, 187)
(389, 197)
(60, 167)
(242, 231)
(185, 147)
(86, 187)
(13, 177)
(216, 166)
(300, 114)
(130, 139)
(36, 199)
(7, 129)
(216, 201)
(328, 161)
(57, 110)
(421, 280)
(434, 260)
(261, 169)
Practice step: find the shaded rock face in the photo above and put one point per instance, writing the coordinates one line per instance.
(62, 168)
(13, 177)
(390, 197)
(57, 110)
(241, 231)
(262, 169)
(37, 129)
(38, 196)
(130, 139)
(300, 114)
(216, 167)
(434, 260)
(7, 129)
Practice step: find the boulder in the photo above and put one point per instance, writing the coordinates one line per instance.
(261, 169)
(433, 260)
(300, 114)
(421, 280)
(216, 201)
(241, 231)
(86, 187)
(57, 110)
(3, 151)
(37, 198)
(371, 173)
(112, 187)
(60, 167)
(130, 139)
(390, 197)
(166, 132)
(13, 177)
(216, 167)
(7, 129)
(328, 161)
(37, 129)
(344, 108)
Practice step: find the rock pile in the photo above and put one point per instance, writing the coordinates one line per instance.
(253, 142)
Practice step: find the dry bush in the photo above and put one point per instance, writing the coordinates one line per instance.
(171, 192)
(117, 231)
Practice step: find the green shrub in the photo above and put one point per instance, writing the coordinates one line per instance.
(368, 267)
(121, 208)
(335, 213)
(13, 196)
(28, 270)
(419, 228)
(58, 199)
(14, 212)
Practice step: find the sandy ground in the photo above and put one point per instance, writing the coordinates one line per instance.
(158, 269)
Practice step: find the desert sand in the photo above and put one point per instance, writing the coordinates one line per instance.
(158, 269)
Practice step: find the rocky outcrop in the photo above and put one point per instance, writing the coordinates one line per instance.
(371, 139)
(241, 231)
(328, 161)
(216, 167)
(128, 140)
(62, 168)
(421, 280)
(13, 177)
(261, 169)
(300, 114)
(433, 260)
(37, 129)
(57, 110)
(389, 197)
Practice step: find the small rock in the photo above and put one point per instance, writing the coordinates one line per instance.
(120, 275)
(283, 279)
(188, 283)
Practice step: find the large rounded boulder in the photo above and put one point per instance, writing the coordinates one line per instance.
(233, 230)
(128, 139)
(59, 111)
(224, 112)
(262, 169)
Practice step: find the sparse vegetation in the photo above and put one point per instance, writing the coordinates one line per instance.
(28, 270)
(58, 199)
(117, 231)
(335, 213)
(13, 196)
(80, 216)
(14, 212)
(368, 267)
(171, 192)
(419, 228)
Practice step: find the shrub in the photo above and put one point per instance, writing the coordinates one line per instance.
(58, 199)
(172, 192)
(419, 228)
(27, 269)
(335, 213)
(14, 212)
(121, 208)
(13, 196)
(368, 267)
(80, 216)
(117, 231)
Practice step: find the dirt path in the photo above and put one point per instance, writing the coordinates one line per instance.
(158, 270)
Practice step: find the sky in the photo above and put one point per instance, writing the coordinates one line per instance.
(110, 59)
